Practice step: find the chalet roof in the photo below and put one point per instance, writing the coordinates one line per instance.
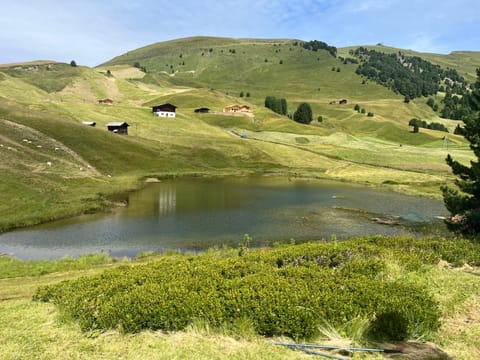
(119, 124)
(202, 109)
(164, 105)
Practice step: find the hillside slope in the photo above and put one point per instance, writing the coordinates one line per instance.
(43, 105)
(280, 68)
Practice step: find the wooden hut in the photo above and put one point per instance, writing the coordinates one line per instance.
(236, 108)
(118, 127)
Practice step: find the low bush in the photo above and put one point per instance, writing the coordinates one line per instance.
(285, 291)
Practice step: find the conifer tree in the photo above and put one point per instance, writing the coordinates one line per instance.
(464, 205)
(303, 114)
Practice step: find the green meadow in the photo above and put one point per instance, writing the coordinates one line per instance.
(53, 166)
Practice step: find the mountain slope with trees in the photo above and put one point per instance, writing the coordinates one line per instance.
(54, 100)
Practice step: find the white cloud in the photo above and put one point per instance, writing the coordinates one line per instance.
(93, 31)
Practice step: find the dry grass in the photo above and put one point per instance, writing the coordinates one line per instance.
(461, 333)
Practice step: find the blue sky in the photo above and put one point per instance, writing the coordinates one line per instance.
(94, 31)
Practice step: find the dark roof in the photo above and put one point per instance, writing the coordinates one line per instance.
(167, 106)
(202, 109)
(117, 124)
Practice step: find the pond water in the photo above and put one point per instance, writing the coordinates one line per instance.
(194, 214)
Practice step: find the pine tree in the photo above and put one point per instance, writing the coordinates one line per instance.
(464, 205)
(303, 114)
(283, 103)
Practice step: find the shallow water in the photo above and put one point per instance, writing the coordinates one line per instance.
(193, 214)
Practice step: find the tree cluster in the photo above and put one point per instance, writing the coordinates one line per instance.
(454, 107)
(423, 124)
(316, 45)
(276, 105)
(410, 76)
(142, 68)
(464, 205)
(303, 114)
(431, 103)
(348, 60)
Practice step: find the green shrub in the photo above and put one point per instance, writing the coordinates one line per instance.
(287, 291)
(390, 325)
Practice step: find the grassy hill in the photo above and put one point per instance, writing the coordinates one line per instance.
(465, 62)
(43, 105)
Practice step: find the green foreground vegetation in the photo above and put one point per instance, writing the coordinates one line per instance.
(219, 303)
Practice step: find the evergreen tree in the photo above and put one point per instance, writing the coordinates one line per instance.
(474, 98)
(303, 114)
(73, 63)
(464, 205)
(269, 100)
(276, 105)
(283, 106)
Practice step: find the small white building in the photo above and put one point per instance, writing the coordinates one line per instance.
(164, 110)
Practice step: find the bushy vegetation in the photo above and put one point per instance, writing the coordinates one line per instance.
(455, 107)
(316, 45)
(284, 291)
(303, 114)
(464, 206)
(423, 124)
(410, 76)
(278, 105)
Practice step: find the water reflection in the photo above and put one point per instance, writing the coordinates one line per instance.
(192, 214)
(167, 201)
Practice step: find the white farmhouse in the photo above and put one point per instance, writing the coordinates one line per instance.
(164, 110)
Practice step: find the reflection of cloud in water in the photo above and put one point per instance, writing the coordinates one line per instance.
(167, 201)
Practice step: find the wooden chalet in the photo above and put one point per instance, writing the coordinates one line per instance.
(237, 108)
(105, 101)
(164, 110)
(118, 127)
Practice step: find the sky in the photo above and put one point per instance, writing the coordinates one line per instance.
(94, 31)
